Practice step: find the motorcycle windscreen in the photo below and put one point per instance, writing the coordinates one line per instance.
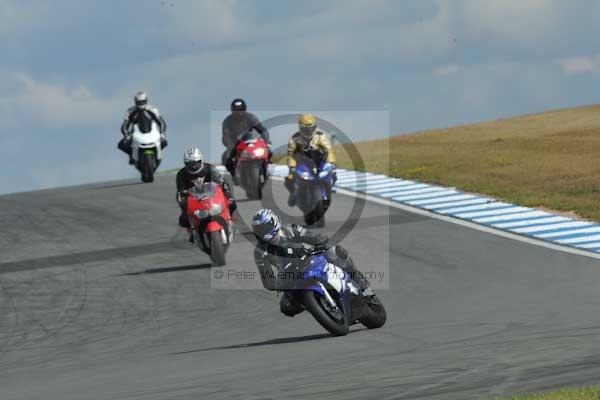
(206, 189)
(250, 135)
(317, 156)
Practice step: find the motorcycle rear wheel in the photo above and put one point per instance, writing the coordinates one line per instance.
(374, 315)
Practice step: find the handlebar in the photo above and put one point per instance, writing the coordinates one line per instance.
(312, 250)
(181, 195)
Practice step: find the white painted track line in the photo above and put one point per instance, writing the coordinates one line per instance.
(482, 213)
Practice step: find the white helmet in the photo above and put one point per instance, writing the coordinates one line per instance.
(140, 99)
(192, 159)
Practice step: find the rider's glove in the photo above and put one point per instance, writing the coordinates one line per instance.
(182, 196)
(291, 173)
(321, 246)
(163, 141)
(232, 208)
(341, 252)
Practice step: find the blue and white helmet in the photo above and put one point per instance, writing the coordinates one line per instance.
(266, 224)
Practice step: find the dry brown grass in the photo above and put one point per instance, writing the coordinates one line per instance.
(547, 160)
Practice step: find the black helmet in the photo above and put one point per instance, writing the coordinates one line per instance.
(238, 105)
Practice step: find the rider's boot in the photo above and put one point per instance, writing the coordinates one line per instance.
(232, 206)
(289, 306)
(292, 200)
(236, 178)
(230, 165)
(186, 224)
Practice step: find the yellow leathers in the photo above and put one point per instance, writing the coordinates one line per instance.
(308, 138)
(298, 144)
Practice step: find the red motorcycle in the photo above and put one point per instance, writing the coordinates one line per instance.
(210, 220)
(252, 159)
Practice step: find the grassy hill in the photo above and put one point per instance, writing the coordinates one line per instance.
(551, 159)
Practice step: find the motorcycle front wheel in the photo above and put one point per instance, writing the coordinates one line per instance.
(217, 249)
(316, 216)
(252, 182)
(320, 309)
(148, 167)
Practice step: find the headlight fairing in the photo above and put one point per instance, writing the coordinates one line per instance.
(326, 171)
(215, 209)
(201, 213)
(323, 174)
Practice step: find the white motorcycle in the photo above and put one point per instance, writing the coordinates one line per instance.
(146, 150)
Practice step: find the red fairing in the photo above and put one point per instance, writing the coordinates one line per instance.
(252, 150)
(199, 206)
(213, 226)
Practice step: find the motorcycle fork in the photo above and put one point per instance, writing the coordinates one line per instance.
(356, 307)
(328, 297)
(303, 191)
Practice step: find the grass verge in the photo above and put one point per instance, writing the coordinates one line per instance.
(549, 160)
(585, 393)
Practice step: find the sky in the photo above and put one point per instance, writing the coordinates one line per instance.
(70, 68)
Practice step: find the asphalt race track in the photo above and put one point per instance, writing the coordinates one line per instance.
(102, 298)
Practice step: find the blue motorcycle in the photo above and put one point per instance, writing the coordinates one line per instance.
(312, 188)
(330, 294)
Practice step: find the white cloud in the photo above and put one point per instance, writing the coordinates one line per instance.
(485, 91)
(448, 70)
(349, 13)
(62, 105)
(326, 45)
(205, 20)
(527, 20)
(431, 36)
(372, 29)
(340, 28)
(369, 29)
(580, 65)
(17, 15)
